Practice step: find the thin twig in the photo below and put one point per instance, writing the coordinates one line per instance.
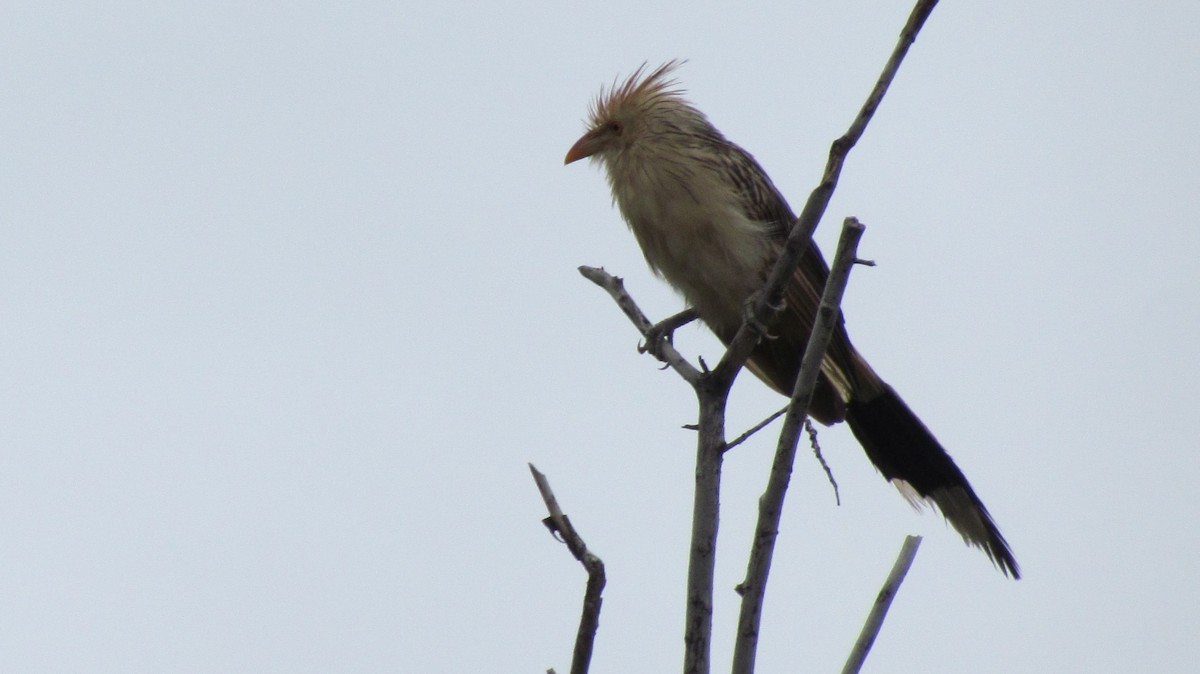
(756, 428)
(770, 505)
(816, 447)
(883, 601)
(589, 621)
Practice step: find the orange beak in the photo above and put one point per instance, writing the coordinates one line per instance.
(586, 146)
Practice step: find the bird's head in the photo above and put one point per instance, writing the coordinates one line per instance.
(638, 113)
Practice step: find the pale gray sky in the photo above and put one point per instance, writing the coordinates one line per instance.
(289, 299)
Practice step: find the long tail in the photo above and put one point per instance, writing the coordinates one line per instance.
(906, 452)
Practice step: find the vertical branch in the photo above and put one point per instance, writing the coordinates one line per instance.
(697, 636)
(883, 601)
(770, 505)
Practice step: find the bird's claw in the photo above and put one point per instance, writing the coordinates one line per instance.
(658, 335)
(753, 321)
(663, 332)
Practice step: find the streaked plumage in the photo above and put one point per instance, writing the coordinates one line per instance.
(710, 222)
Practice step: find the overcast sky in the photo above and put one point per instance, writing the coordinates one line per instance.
(288, 299)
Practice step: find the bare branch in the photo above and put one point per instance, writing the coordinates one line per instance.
(756, 428)
(666, 351)
(702, 558)
(816, 447)
(883, 602)
(589, 621)
(770, 506)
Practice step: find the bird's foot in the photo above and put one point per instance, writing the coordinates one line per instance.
(754, 322)
(663, 332)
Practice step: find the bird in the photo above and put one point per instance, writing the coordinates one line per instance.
(711, 223)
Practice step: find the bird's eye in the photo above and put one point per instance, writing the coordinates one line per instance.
(614, 127)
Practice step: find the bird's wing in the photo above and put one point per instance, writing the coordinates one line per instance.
(778, 360)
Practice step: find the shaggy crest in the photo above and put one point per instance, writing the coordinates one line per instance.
(637, 91)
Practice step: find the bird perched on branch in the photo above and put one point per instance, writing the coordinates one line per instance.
(711, 222)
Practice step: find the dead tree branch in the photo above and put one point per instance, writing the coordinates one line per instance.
(665, 351)
(883, 602)
(756, 428)
(820, 457)
(589, 621)
(770, 505)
